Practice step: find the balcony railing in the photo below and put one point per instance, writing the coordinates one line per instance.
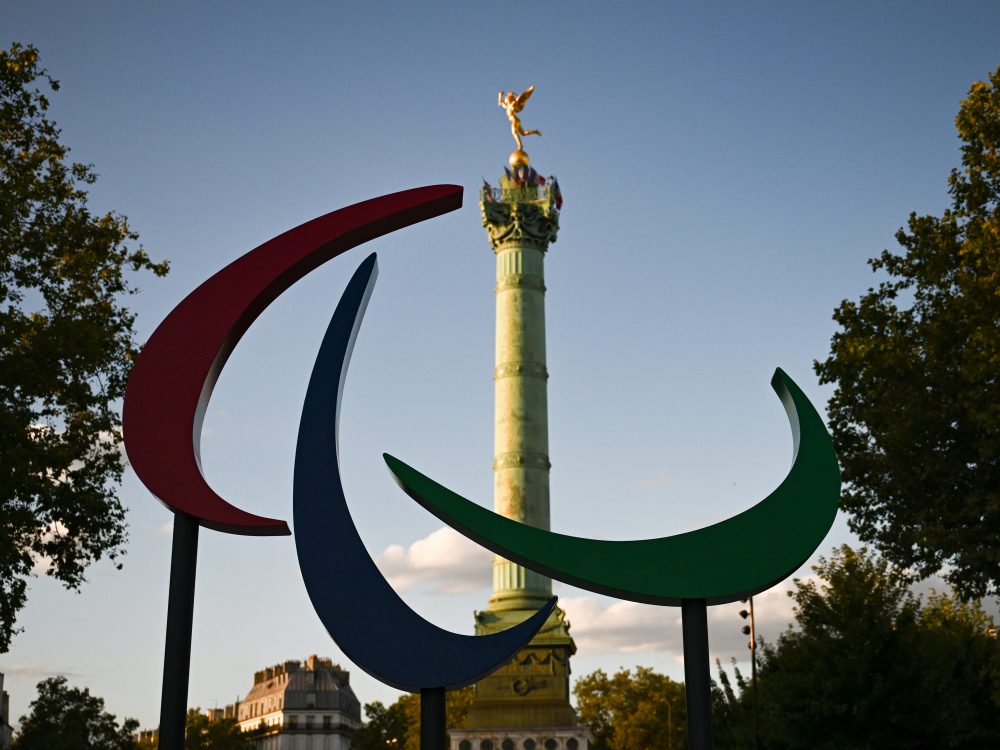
(528, 194)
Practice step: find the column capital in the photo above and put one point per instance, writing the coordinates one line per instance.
(526, 214)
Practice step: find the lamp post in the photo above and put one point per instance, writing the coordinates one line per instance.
(751, 631)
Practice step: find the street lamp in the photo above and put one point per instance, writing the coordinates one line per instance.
(750, 630)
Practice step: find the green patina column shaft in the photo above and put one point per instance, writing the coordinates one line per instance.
(521, 429)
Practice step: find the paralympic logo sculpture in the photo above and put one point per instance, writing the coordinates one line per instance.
(165, 403)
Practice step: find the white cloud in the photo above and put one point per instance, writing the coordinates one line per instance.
(605, 626)
(658, 481)
(165, 529)
(445, 562)
(773, 613)
(621, 627)
(36, 671)
(444, 558)
(42, 563)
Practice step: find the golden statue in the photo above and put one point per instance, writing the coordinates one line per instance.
(512, 105)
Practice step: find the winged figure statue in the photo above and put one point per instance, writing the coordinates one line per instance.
(512, 104)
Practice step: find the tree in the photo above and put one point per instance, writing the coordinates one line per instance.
(869, 665)
(456, 707)
(632, 712)
(732, 712)
(65, 718)
(66, 347)
(398, 726)
(384, 728)
(202, 733)
(916, 411)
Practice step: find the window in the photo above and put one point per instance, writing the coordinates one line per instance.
(507, 744)
(551, 744)
(293, 722)
(309, 722)
(328, 723)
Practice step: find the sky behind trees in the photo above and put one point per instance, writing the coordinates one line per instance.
(727, 171)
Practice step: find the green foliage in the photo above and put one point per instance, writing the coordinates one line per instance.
(66, 347)
(732, 717)
(916, 413)
(384, 728)
(456, 707)
(398, 726)
(201, 733)
(869, 666)
(632, 712)
(65, 718)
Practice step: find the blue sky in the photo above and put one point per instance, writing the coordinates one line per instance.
(727, 168)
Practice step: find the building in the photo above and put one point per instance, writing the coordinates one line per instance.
(232, 711)
(6, 730)
(298, 706)
(525, 704)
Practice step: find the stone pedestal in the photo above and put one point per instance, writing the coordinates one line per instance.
(533, 689)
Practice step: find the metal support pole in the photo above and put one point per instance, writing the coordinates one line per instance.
(753, 673)
(432, 720)
(694, 623)
(180, 612)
